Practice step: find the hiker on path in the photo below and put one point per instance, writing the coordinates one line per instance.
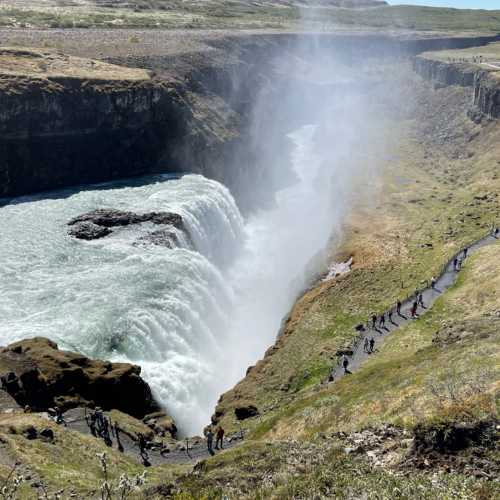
(398, 308)
(91, 422)
(421, 300)
(345, 363)
(60, 418)
(389, 315)
(495, 234)
(414, 309)
(117, 436)
(455, 264)
(372, 344)
(142, 443)
(219, 438)
(366, 345)
(382, 321)
(433, 283)
(465, 252)
(210, 441)
(374, 321)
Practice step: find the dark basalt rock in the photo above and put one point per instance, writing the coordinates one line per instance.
(244, 412)
(39, 375)
(161, 424)
(163, 238)
(96, 224)
(88, 231)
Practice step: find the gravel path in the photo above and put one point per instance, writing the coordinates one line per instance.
(447, 278)
(197, 449)
(75, 420)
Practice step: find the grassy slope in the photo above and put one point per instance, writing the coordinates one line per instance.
(70, 464)
(245, 14)
(426, 194)
(319, 469)
(445, 365)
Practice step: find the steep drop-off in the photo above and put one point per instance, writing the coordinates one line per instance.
(67, 120)
(484, 81)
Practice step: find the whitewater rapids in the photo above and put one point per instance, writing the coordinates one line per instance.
(194, 317)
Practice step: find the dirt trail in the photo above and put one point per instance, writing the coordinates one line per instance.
(197, 446)
(443, 282)
(75, 420)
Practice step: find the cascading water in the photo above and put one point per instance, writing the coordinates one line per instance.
(194, 317)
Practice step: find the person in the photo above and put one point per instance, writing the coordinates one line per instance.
(142, 443)
(465, 252)
(59, 417)
(455, 264)
(433, 283)
(495, 234)
(372, 344)
(366, 344)
(210, 440)
(398, 307)
(374, 321)
(382, 320)
(389, 315)
(219, 438)
(421, 299)
(91, 422)
(117, 436)
(345, 363)
(414, 309)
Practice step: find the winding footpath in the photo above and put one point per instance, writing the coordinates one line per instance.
(444, 281)
(197, 447)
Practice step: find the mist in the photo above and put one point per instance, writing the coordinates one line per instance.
(194, 317)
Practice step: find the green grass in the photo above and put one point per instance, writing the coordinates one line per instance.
(216, 14)
(409, 379)
(316, 470)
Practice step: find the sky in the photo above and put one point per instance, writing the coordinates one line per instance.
(459, 4)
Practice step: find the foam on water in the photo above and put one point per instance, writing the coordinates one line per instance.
(194, 317)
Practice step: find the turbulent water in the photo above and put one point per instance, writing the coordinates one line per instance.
(194, 317)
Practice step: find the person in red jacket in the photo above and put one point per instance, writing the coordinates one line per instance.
(219, 438)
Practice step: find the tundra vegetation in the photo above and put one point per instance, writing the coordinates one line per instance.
(242, 14)
(419, 419)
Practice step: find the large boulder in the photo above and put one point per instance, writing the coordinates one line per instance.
(88, 231)
(96, 224)
(161, 423)
(39, 375)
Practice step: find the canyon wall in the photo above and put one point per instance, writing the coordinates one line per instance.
(193, 113)
(485, 84)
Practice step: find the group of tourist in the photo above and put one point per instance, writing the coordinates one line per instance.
(219, 439)
(101, 426)
(378, 323)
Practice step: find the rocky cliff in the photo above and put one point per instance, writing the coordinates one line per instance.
(66, 120)
(36, 373)
(485, 83)
(69, 120)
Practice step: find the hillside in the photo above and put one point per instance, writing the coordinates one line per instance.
(320, 15)
(418, 417)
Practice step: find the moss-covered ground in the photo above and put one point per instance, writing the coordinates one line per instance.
(242, 14)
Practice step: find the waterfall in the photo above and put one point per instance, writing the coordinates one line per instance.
(194, 316)
(165, 309)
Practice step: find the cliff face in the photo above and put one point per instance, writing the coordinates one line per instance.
(484, 83)
(487, 94)
(67, 121)
(58, 129)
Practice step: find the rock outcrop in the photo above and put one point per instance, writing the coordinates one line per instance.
(36, 373)
(68, 120)
(97, 224)
(484, 83)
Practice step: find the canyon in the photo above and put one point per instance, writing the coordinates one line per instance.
(187, 127)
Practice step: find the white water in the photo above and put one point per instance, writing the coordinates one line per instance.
(194, 319)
